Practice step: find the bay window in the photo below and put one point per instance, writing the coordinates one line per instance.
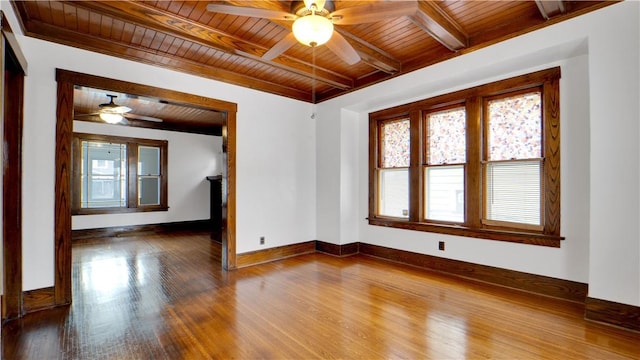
(482, 162)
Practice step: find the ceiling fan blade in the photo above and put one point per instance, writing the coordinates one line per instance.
(251, 12)
(373, 12)
(341, 47)
(141, 117)
(280, 47)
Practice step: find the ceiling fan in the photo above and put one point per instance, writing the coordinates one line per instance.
(113, 113)
(313, 22)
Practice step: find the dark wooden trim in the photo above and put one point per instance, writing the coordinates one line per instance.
(229, 193)
(135, 230)
(64, 131)
(12, 190)
(542, 285)
(612, 313)
(276, 253)
(12, 43)
(337, 250)
(62, 227)
(489, 234)
(14, 69)
(551, 133)
(39, 299)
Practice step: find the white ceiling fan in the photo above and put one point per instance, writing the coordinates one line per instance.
(313, 22)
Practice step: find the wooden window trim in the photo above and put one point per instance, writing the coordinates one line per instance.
(132, 172)
(473, 99)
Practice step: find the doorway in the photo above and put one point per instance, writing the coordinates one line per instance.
(67, 82)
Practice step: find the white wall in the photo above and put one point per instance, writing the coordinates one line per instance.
(275, 152)
(192, 157)
(599, 121)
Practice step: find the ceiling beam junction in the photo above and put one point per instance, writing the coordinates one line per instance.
(436, 22)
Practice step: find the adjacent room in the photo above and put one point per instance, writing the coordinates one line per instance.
(320, 179)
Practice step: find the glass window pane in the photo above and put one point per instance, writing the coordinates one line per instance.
(148, 160)
(394, 193)
(395, 144)
(444, 193)
(446, 137)
(515, 127)
(103, 173)
(513, 191)
(148, 190)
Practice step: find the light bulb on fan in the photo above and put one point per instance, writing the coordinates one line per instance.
(312, 30)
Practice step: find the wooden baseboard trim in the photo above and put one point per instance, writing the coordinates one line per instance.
(39, 299)
(337, 250)
(612, 313)
(133, 230)
(273, 254)
(543, 285)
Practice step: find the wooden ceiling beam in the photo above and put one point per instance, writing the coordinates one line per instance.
(371, 55)
(550, 8)
(89, 42)
(183, 28)
(437, 23)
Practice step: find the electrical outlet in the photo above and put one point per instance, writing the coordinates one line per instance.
(261, 240)
(441, 245)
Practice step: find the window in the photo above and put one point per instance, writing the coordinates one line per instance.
(116, 174)
(394, 168)
(482, 162)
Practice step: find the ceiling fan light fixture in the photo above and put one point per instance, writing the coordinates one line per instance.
(111, 118)
(312, 30)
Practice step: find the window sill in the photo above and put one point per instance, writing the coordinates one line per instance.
(106, 211)
(489, 234)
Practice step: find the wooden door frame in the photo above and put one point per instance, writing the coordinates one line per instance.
(64, 135)
(14, 69)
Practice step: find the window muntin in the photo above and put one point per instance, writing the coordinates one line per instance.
(116, 174)
(537, 159)
(445, 145)
(393, 170)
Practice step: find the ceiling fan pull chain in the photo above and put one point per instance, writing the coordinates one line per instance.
(313, 82)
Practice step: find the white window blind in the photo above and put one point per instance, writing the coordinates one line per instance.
(513, 191)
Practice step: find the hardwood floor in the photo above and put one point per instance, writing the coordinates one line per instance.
(166, 297)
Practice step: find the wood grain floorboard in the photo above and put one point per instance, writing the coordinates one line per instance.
(165, 296)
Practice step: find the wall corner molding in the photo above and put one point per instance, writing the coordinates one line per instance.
(612, 313)
(337, 250)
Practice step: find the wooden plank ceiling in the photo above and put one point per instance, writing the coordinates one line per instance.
(185, 36)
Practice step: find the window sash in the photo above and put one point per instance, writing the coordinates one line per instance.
(513, 193)
(393, 199)
(101, 186)
(444, 193)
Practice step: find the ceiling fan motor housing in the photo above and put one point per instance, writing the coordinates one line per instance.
(324, 8)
